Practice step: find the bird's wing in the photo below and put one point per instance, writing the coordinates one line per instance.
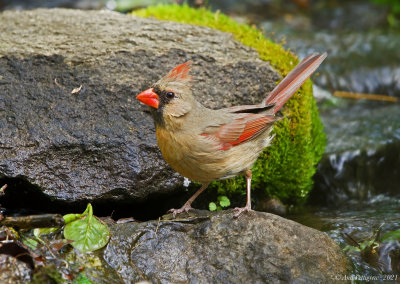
(260, 108)
(243, 128)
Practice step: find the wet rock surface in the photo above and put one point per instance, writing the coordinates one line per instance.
(13, 270)
(69, 121)
(206, 247)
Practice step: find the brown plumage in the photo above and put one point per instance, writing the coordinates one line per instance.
(204, 144)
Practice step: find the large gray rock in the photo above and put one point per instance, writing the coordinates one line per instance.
(99, 143)
(207, 247)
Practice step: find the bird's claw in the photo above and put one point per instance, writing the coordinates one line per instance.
(240, 210)
(184, 208)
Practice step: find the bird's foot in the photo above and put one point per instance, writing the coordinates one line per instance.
(184, 208)
(239, 210)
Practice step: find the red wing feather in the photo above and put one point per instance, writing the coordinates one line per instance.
(241, 130)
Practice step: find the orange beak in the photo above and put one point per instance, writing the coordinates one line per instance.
(149, 98)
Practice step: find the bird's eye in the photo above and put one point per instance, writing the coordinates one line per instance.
(170, 95)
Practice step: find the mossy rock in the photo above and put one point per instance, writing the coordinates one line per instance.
(285, 169)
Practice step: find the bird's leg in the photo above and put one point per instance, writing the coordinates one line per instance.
(187, 206)
(247, 208)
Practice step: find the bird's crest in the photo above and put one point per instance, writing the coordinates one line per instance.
(180, 72)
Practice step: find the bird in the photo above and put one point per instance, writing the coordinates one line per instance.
(204, 144)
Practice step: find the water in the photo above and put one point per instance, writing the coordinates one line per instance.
(361, 222)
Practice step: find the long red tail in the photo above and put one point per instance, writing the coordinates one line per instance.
(293, 81)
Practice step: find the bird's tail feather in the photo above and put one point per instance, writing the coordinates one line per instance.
(292, 82)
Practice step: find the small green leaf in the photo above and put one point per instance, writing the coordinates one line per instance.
(81, 279)
(88, 210)
(363, 245)
(72, 217)
(43, 231)
(392, 236)
(351, 248)
(88, 233)
(212, 206)
(370, 243)
(224, 201)
(29, 242)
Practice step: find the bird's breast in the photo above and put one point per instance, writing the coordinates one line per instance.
(199, 159)
(188, 154)
(169, 145)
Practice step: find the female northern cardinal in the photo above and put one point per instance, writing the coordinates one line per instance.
(203, 144)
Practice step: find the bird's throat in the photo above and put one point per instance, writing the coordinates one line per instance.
(157, 115)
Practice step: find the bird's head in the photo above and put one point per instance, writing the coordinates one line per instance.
(171, 96)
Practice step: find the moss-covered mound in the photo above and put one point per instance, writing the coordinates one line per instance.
(285, 169)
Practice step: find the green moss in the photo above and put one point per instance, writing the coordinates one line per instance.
(47, 274)
(286, 168)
